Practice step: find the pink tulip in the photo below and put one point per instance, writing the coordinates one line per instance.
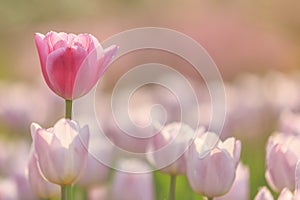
(264, 194)
(240, 187)
(72, 64)
(132, 185)
(41, 187)
(167, 149)
(61, 151)
(283, 152)
(212, 174)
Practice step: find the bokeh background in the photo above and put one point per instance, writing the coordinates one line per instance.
(255, 44)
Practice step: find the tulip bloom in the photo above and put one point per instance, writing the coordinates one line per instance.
(281, 160)
(72, 64)
(39, 185)
(263, 194)
(166, 151)
(212, 174)
(61, 151)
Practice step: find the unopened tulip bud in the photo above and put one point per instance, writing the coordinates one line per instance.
(212, 174)
(264, 194)
(281, 160)
(61, 151)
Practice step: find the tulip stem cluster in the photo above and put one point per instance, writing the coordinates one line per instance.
(172, 187)
(68, 109)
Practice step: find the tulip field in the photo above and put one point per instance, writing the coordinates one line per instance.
(149, 100)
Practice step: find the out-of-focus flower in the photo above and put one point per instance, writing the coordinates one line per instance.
(23, 187)
(130, 129)
(41, 187)
(72, 64)
(61, 151)
(8, 189)
(281, 159)
(16, 105)
(289, 122)
(132, 185)
(98, 193)
(240, 187)
(96, 172)
(8, 150)
(263, 194)
(277, 87)
(211, 173)
(246, 110)
(168, 148)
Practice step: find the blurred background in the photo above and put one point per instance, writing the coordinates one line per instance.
(255, 44)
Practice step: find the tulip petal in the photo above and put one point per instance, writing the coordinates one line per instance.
(33, 129)
(43, 52)
(62, 67)
(264, 194)
(93, 67)
(285, 194)
(281, 166)
(65, 130)
(42, 148)
(104, 61)
(39, 185)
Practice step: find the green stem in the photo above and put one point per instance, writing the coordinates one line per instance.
(69, 191)
(63, 192)
(84, 194)
(68, 109)
(172, 187)
(210, 198)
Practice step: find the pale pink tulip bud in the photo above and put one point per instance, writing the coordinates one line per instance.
(96, 171)
(263, 194)
(39, 185)
(131, 185)
(72, 64)
(286, 194)
(212, 174)
(167, 150)
(283, 152)
(240, 187)
(61, 151)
